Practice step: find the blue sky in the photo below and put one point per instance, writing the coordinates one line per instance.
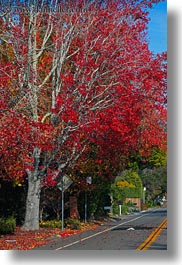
(157, 28)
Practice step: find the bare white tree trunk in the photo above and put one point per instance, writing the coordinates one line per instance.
(32, 205)
(33, 197)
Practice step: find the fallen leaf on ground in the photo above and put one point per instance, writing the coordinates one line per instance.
(26, 240)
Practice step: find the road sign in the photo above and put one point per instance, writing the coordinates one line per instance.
(64, 183)
(89, 180)
(107, 207)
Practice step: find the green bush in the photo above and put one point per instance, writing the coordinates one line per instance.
(150, 204)
(51, 224)
(7, 225)
(73, 223)
(115, 208)
(124, 209)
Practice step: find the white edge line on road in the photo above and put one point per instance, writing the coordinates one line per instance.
(101, 232)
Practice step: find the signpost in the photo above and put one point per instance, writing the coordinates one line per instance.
(88, 181)
(64, 185)
(144, 190)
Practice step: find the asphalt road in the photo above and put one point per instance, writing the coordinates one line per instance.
(125, 233)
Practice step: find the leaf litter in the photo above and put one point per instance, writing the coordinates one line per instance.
(27, 240)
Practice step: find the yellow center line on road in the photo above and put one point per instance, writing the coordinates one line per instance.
(152, 237)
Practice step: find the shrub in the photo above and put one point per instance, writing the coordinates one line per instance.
(115, 208)
(51, 224)
(124, 209)
(7, 225)
(73, 223)
(150, 204)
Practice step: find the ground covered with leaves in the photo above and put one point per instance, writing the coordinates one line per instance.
(27, 240)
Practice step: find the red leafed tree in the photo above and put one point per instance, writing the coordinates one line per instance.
(80, 75)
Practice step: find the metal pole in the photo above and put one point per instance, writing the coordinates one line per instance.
(88, 181)
(85, 206)
(62, 202)
(144, 189)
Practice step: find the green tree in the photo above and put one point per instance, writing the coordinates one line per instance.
(155, 181)
(154, 175)
(158, 158)
(127, 184)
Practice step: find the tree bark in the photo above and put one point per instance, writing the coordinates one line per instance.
(32, 204)
(74, 207)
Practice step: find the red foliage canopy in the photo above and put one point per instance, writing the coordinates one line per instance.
(79, 78)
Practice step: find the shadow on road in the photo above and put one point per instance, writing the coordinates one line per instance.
(130, 228)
